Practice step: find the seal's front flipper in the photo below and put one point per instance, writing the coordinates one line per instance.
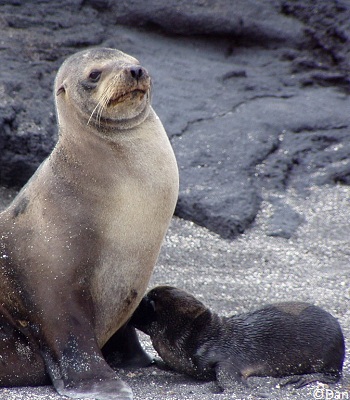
(73, 359)
(79, 371)
(105, 390)
(228, 375)
(123, 349)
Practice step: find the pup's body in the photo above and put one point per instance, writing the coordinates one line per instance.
(283, 339)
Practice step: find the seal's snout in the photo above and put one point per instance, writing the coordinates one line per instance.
(137, 72)
(144, 315)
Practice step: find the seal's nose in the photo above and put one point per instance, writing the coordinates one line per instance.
(137, 72)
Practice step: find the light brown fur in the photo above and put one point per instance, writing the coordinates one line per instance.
(83, 235)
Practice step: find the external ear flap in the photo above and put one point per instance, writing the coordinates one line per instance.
(61, 89)
(153, 305)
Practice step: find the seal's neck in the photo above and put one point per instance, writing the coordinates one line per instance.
(86, 153)
(77, 129)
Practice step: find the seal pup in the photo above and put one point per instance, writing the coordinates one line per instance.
(278, 340)
(79, 242)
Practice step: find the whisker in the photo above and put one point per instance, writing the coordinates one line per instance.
(93, 111)
(102, 102)
(102, 105)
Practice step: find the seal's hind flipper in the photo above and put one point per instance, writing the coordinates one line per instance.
(302, 380)
(21, 362)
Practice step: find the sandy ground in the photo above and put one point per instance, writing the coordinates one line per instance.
(243, 274)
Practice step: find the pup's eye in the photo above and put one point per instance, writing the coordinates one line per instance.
(95, 75)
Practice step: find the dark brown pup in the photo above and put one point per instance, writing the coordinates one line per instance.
(292, 339)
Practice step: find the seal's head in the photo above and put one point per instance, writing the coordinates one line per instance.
(176, 323)
(106, 87)
(167, 308)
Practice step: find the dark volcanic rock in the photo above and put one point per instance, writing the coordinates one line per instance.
(248, 20)
(284, 220)
(328, 27)
(252, 94)
(33, 46)
(270, 144)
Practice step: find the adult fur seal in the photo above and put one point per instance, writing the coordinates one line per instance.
(79, 242)
(283, 339)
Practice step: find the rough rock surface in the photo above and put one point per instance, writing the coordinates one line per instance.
(254, 95)
(255, 98)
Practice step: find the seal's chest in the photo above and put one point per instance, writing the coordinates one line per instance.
(132, 228)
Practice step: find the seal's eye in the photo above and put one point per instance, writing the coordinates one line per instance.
(95, 75)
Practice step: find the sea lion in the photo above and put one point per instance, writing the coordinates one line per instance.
(79, 242)
(278, 340)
